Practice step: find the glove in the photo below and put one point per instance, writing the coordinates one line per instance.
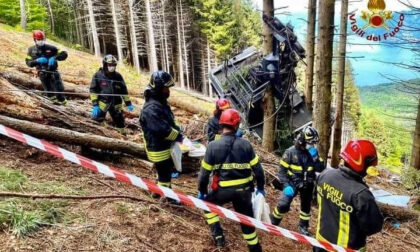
(239, 133)
(130, 108)
(289, 191)
(260, 191)
(201, 196)
(179, 138)
(42, 60)
(95, 111)
(51, 61)
(313, 151)
(175, 175)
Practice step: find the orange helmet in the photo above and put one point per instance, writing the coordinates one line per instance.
(38, 35)
(359, 155)
(222, 104)
(230, 117)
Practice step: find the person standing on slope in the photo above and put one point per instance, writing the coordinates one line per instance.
(213, 129)
(347, 212)
(297, 174)
(233, 163)
(159, 128)
(44, 57)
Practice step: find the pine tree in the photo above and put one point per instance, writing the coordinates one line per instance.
(324, 71)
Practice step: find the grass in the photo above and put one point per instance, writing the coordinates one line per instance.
(23, 216)
(11, 180)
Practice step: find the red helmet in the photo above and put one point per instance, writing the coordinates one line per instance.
(230, 117)
(222, 104)
(38, 35)
(359, 155)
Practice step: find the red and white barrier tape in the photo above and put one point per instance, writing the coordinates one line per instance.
(167, 192)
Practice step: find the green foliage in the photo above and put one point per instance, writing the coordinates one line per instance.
(351, 99)
(19, 221)
(21, 217)
(36, 14)
(230, 25)
(11, 180)
(387, 113)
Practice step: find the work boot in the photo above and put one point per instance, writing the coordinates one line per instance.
(255, 248)
(155, 195)
(172, 201)
(220, 241)
(274, 220)
(303, 230)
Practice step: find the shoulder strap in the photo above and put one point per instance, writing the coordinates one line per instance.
(228, 152)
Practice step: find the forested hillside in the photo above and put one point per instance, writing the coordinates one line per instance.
(388, 118)
(185, 38)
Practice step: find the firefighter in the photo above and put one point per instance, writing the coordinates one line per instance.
(297, 175)
(213, 129)
(233, 163)
(347, 209)
(44, 57)
(107, 93)
(159, 128)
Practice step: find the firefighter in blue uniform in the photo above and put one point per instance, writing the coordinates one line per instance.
(107, 93)
(233, 163)
(159, 128)
(297, 174)
(44, 57)
(347, 211)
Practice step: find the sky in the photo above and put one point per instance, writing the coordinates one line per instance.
(365, 59)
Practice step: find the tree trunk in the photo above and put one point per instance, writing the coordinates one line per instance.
(269, 123)
(310, 51)
(72, 137)
(203, 71)
(92, 22)
(208, 70)
(180, 66)
(165, 37)
(184, 45)
(151, 36)
(35, 83)
(51, 16)
(22, 14)
(335, 156)
(324, 70)
(117, 31)
(134, 48)
(415, 154)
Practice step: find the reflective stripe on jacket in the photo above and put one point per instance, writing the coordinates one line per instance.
(296, 167)
(235, 161)
(112, 84)
(347, 211)
(159, 129)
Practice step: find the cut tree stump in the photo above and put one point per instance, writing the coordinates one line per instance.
(73, 137)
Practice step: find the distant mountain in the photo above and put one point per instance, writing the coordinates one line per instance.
(388, 98)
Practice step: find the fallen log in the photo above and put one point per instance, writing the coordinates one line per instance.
(35, 83)
(401, 214)
(73, 137)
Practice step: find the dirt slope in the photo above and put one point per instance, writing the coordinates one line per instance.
(125, 225)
